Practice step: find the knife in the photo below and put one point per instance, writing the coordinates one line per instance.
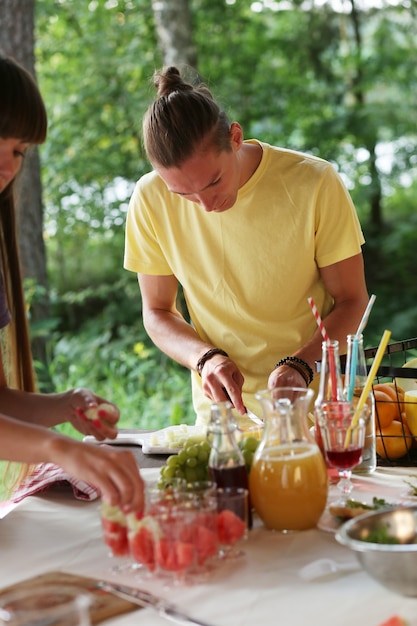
(146, 599)
(257, 420)
(249, 413)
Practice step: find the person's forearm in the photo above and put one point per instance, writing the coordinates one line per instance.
(114, 472)
(28, 443)
(175, 337)
(45, 409)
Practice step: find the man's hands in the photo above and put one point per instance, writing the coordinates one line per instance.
(285, 376)
(222, 380)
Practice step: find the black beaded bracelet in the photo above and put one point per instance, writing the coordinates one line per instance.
(292, 361)
(207, 356)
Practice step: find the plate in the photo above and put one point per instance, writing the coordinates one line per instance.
(331, 523)
(168, 440)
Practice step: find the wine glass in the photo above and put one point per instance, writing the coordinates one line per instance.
(342, 428)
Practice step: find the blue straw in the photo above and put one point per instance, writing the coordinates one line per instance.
(353, 361)
(355, 345)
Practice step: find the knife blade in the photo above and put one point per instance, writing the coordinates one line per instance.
(146, 599)
(257, 420)
(249, 413)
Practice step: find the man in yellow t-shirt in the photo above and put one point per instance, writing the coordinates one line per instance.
(250, 231)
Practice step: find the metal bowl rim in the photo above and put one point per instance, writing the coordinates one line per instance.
(343, 537)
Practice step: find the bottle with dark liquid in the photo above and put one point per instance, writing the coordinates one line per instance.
(227, 466)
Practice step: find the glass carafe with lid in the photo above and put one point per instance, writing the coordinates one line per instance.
(288, 478)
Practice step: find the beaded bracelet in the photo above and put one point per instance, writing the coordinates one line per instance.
(207, 356)
(295, 362)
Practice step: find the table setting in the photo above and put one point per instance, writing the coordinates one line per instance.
(55, 532)
(294, 560)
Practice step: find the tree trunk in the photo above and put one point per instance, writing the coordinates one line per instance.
(375, 198)
(174, 32)
(17, 40)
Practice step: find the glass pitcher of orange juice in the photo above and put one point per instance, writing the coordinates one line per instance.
(288, 480)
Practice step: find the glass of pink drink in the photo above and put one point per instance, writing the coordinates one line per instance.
(342, 429)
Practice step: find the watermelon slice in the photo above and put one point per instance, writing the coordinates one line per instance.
(395, 620)
(142, 548)
(207, 543)
(185, 553)
(141, 538)
(230, 527)
(113, 523)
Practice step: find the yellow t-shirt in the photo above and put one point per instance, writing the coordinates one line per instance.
(247, 273)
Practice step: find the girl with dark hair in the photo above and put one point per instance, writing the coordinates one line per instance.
(25, 415)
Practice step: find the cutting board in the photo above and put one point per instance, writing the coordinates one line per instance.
(104, 604)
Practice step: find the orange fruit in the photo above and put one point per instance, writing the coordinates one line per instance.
(386, 410)
(385, 388)
(404, 419)
(395, 393)
(399, 393)
(398, 388)
(393, 441)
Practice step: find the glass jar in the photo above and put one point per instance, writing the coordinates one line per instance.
(288, 479)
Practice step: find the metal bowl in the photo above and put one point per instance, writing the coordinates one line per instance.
(393, 565)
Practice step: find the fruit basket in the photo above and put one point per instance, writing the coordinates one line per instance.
(396, 444)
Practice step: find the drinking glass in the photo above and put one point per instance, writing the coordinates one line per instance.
(115, 527)
(141, 528)
(232, 520)
(54, 605)
(129, 536)
(342, 429)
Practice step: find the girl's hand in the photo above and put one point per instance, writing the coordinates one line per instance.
(112, 470)
(92, 415)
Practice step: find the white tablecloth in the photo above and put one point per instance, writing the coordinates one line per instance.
(56, 532)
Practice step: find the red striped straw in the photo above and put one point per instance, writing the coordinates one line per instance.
(318, 320)
(332, 364)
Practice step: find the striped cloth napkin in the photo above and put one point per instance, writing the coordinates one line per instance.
(46, 475)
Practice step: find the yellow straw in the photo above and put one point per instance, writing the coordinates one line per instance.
(367, 388)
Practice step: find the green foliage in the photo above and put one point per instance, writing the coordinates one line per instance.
(94, 63)
(105, 348)
(390, 263)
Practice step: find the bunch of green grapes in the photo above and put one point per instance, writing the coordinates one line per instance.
(248, 445)
(190, 464)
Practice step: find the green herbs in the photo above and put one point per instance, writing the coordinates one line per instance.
(412, 485)
(377, 503)
(381, 535)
